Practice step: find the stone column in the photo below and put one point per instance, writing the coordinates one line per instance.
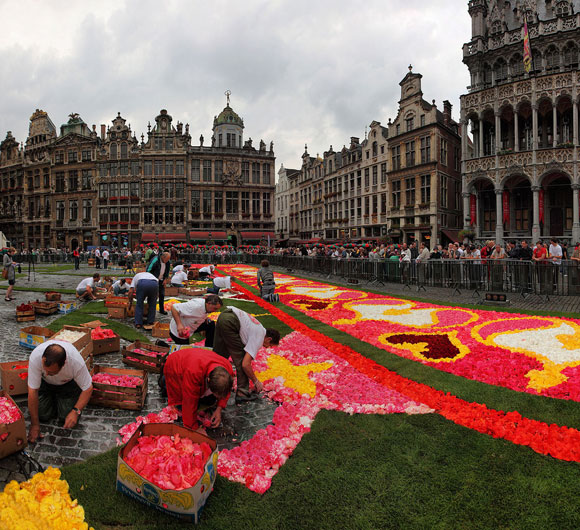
(497, 133)
(534, 127)
(464, 125)
(575, 123)
(480, 134)
(466, 210)
(499, 215)
(575, 216)
(536, 231)
(516, 133)
(554, 126)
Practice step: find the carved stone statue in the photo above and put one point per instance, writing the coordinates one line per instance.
(262, 145)
(213, 140)
(271, 146)
(201, 140)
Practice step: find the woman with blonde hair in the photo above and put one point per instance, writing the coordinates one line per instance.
(9, 273)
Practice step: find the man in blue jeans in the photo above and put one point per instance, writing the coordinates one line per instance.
(145, 286)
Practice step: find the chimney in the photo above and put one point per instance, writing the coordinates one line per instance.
(446, 112)
(103, 131)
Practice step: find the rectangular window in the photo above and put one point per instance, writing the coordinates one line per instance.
(87, 209)
(266, 205)
(410, 192)
(59, 181)
(410, 153)
(207, 202)
(255, 173)
(375, 175)
(114, 190)
(179, 168)
(218, 202)
(246, 202)
(158, 168)
(383, 202)
(169, 144)
(147, 190)
(409, 123)
(72, 156)
(158, 190)
(169, 190)
(124, 168)
(396, 157)
(158, 142)
(425, 189)
(443, 159)
(86, 154)
(169, 215)
(396, 194)
(245, 172)
(114, 215)
(195, 202)
(124, 189)
(256, 203)
(444, 193)
(158, 215)
(218, 170)
(103, 215)
(179, 218)
(195, 167)
(179, 190)
(148, 168)
(148, 215)
(265, 173)
(124, 212)
(359, 207)
(87, 179)
(422, 120)
(169, 167)
(134, 189)
(59, 157)
(425, 150)
(367, 177)
(103, 191)
(207, 170)
(231, 202)
(135, 214)
(383, 173)
(73, 209)
(73, 180)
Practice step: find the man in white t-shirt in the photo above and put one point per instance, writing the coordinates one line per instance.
(192, 317)
(98, 258)
(105, 259)
(144, 286)
(239, 335)
(221, 282)
(87, 287)
(206, 272)
(59, 385)
(120, 287)
(179, 278)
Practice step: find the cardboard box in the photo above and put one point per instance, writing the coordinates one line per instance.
(119, 397)
(32, 336)
(67, 306)
(93, 324)
(12, 435)
(81, 342)
(116, 301)
(12, 383)
(110, 345)
(138, 360)
(185, 504)
(117, 312)
(161, 330)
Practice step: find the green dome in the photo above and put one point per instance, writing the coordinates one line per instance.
(228, 116)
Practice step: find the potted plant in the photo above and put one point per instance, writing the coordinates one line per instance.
(467, 234)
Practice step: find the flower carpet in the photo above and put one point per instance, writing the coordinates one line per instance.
(535, 354)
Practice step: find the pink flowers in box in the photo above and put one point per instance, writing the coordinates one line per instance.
(167, 415)
(130, 381)
(100, 333)
(9, 412)
(170, 462)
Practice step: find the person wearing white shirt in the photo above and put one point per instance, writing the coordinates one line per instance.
(221, 282)
(192, 317)
(120, 287)
(86, 288)
(239, 335)
(181, 267)
(105, 259)
(144, 286)
(206, 272)
(179, 278)
(98, 258)
(59, 385)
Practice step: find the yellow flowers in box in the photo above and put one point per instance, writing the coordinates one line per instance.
(42, 503)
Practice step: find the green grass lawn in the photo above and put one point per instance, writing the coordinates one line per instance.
(370, 471)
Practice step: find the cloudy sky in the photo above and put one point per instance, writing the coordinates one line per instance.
(314, 72)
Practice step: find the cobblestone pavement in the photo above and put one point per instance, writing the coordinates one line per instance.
(97, 429)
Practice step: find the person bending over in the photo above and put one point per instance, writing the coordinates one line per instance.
(192, 317)
(86, 289)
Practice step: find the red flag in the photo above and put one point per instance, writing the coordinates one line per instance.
(506, 207)
(527, 49)
(473, 209)
(541, 205)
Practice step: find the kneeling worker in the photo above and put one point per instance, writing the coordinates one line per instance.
(59, 385)
(191, 317)
(239, 335)
(191, 374)
(86, 288)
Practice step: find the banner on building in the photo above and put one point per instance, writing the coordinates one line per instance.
(506, 207)
(527, 49)
(473, 209)
(541, 205)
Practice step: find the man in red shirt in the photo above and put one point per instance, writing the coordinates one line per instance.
(193, 373)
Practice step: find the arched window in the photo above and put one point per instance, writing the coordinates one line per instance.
(563, 9)
(486, 75)
(552, 58)
(123, 150)
(517, 66)
(113, 151)
(570, 54)
(496, 27)
(500, 71)
(375, 148)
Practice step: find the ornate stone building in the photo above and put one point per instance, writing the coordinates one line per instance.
(520, 180)
(402, 182)
(80, 188)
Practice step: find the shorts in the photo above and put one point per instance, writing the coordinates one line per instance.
(11, 282)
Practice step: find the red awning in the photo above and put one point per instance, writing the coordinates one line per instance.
(147, 237)
(453, 235)
(176, 236)
(257, 235)
(314, 240)
(206, 235)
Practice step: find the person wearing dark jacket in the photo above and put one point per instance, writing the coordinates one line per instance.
(266, 282)
(159, 267)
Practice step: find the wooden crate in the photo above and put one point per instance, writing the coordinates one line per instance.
(161, 330)
(81, 342)
(110, 345)
(171, 291)
(117, 312)
(25, 316)
(45, 308)
(141, 361)
(53, 297)
(119, 397)
(91, 262)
